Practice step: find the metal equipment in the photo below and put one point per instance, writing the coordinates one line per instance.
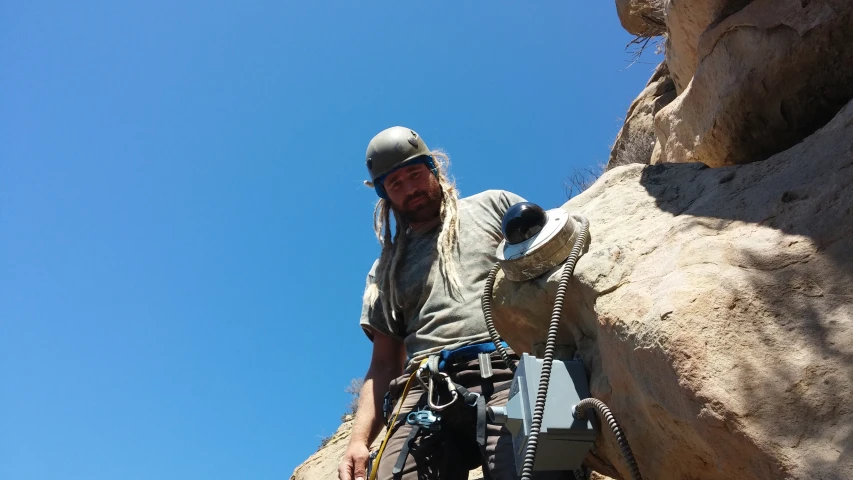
(536, 241)
(426, 419)
(563, 440)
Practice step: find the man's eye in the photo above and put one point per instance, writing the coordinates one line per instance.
(415, 175)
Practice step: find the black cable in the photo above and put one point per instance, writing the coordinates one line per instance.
(550, 346)
(487, 313)
(614, 426)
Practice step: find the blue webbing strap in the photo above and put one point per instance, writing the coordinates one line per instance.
(466, 351)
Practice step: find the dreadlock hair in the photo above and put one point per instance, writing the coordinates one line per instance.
(394, 246)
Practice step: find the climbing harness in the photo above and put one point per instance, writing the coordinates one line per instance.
(432, 375)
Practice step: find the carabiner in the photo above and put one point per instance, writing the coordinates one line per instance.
(453, 394)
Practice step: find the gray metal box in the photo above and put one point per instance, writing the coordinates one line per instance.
(563, 440)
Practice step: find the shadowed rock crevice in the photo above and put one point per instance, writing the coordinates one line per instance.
(802, 191)
(765, 77)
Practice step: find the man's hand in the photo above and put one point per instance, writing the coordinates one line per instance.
(389, 356)
(354, 464)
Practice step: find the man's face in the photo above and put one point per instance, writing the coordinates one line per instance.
(414, 193)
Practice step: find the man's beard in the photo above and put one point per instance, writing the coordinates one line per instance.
(428, 207)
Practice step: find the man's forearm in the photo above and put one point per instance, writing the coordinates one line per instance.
(368, 420)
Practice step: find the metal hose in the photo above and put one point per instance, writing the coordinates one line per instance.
(620, 438)
(487, 312)
(550, 346)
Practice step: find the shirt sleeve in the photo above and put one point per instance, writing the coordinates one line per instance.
(372, 317)
(495, 207)
(508, 199)
(501, 200)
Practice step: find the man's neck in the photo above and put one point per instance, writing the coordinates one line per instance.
(422, 227)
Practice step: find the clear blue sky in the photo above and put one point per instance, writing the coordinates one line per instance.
(184, 232)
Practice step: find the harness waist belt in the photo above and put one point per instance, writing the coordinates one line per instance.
(466, 352)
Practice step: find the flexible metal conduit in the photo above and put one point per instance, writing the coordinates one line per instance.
(614, 426)
(548, 359)
(487, 312)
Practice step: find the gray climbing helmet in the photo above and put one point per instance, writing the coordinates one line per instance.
(391, 149)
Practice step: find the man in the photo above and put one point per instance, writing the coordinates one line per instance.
(423, 296)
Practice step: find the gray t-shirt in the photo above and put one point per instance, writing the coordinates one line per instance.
(435, 320)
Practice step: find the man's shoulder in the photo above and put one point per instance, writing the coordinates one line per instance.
(372, 272)
(495, 198)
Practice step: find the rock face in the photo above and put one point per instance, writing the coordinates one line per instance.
(753, 77)
(630, 22)
(714, 311)
(640, 17)
(636, 140)
(323, 464)
(686, 21)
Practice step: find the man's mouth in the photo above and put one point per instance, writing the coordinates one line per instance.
(415, 201)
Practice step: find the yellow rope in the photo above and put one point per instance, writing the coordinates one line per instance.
(375, 468)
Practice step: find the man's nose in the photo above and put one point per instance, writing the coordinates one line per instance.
(409, 188)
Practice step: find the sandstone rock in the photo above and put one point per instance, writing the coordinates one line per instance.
(768, 76)
(714, 311)
(640, 17)
(632, 23)
(323, 464)
(686, 20)
(636, 139)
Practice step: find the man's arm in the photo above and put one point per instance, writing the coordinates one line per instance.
(387, 362)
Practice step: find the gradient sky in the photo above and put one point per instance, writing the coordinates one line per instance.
(184, 232)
